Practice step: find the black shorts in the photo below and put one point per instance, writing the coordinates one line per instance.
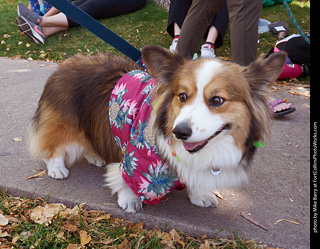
(106, 8)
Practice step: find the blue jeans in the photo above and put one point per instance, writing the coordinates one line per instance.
(40, 9)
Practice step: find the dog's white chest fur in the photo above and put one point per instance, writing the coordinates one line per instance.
(195, 169)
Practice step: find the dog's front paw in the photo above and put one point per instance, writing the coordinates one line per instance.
(203, 200)
(56, 169)
(58, 173)
(95, 160)
(128, 201)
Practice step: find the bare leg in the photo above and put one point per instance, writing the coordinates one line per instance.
(58, 20)
(54, 24)
(176, 29)
(212, 35)
(52, 30)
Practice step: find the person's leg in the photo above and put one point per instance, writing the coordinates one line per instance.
(52, 30)
(212, 35)
(109, 8)
(243, 20)
(220, 23)
(54, 24)
(177, 29)
(216, 32)
(58, 20)
(195, 25)
(104, 9)
(177, 13)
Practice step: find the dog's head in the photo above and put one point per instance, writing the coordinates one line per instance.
(201, 103)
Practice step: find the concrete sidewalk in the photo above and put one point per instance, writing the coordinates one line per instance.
(277, 196)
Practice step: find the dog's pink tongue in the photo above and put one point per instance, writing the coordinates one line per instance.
(192, 146)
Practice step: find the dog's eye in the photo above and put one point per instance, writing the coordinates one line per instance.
(183, 97)
(216, 101)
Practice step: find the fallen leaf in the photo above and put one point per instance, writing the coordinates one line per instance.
(225, 58)
(3, 234)
(42, 55)
(203, 237)
(6, 36)
(291, 221)
(218, 194)
(3, 220)
(25, 235)
(182, 243)
(84, 238)
(60, 235)
(69, 227)
(73, 246)
(44, 215)
(28, 45)
(174, 235)
(124, 244)
(205, 245)
(247, 217)
(102, 217)
(138, 243)
(166, 238)
(36, 175)
(17, 139)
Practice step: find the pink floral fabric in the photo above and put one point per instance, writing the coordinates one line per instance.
(141, 167)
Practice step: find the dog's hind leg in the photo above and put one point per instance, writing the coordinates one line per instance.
(56, 164)
(62, 155)
(127, 200)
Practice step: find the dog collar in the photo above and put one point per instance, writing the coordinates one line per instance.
(215, 172)
(258, 144)
(173, 151)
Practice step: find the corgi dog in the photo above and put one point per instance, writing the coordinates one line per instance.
(181, 123)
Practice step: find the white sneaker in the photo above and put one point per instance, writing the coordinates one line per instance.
(173, 45)
(207, 51)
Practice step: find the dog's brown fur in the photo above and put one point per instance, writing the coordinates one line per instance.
(72, 118)
(80, 81)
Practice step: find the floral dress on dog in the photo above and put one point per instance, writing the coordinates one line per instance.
(141, 167)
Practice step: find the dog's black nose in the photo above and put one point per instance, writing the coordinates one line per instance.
(182, 131)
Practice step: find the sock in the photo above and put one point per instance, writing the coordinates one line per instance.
(210, 43)
(176, 37)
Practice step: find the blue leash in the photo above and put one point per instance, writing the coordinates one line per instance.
(91, 24)
(295, 22)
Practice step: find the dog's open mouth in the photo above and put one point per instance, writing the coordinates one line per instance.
(194, 147)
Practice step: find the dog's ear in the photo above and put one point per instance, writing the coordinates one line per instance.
(161, 62)
(262, 73)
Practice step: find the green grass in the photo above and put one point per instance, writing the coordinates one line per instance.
(80, 228)
(145, 26)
